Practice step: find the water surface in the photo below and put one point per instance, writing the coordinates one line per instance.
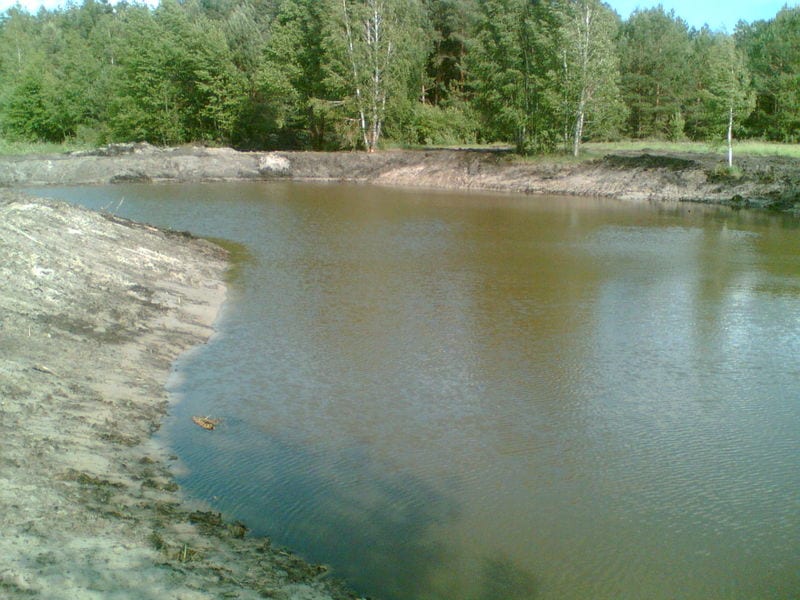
(497, 397)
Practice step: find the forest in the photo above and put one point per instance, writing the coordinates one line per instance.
(541, 75)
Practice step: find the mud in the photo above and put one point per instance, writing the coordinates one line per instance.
(758, 182)
(93, 311)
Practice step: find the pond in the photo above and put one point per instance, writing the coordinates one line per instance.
(476, 396)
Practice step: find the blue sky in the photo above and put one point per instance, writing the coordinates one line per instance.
(717, 14)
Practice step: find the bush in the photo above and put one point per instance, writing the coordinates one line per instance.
(436, 126)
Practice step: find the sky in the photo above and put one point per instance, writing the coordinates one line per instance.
(718, 14)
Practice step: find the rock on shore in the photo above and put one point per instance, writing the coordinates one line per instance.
(93, 311)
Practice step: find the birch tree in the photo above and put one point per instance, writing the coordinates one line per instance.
(371, 55)
(590, 71)
(724, 92)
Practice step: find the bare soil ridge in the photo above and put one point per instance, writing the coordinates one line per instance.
(761, 182)
(93, 311)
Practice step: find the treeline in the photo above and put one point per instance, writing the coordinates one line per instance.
(330, 74)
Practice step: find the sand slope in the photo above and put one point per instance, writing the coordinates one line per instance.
(93, 310)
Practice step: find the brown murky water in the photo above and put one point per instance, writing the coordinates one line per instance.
(498, 397)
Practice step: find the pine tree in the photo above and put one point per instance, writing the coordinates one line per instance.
(446, 67)
(654, 49)
(512, 63)
(773, 58)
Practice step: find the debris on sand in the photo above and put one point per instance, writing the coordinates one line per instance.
(206, 422)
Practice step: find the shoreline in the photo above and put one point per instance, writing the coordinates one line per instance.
(760, 182)
(94, 310)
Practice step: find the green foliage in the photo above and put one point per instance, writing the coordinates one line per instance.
(177, 80)
(290, 79)
(446, 69)
(511, 64)
(47, 95)
(371, 67)
(539, 74)
(546, 72)
(147, 103)
(772, 49)
(592, 105)
(725, 173)
(676, 127)
(722, 87)
(654, 50)
(443, 126)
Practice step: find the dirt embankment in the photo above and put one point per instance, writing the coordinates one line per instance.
(93, 311)
(764, 182)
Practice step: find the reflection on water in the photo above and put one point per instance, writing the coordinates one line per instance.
(497, 397)
(502, 580)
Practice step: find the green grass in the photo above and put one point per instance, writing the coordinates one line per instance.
(768, 149)
(393, 145)
(588, 151)
(744, 148)
(10, 148)
(594, 150)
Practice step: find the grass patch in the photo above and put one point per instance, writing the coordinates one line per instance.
(743, 148)
(14, 148)
(494, 147)
(601, 148)
(589, 150)
(594, 150)
(725, 173)
(754, 148)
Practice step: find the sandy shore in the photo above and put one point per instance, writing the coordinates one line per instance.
(93, 311)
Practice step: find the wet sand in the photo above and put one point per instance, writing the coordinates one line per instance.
(93, 312)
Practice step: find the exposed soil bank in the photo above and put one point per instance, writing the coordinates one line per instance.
(764, 182)
(93, 311)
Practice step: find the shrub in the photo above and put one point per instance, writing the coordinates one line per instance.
(450, 126)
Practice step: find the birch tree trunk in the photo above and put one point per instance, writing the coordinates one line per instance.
(370, 52)
(590, 71)
(730, 137)
(580, 118)
(584, 29)
(380, 53)
(351, 52)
